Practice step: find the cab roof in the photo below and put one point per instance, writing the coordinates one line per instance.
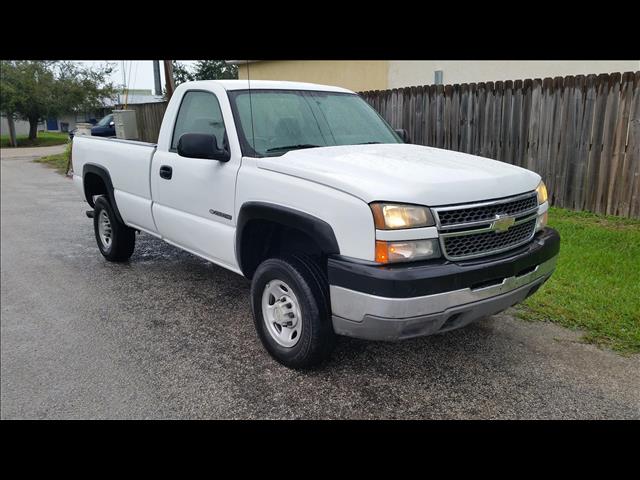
(268, 84)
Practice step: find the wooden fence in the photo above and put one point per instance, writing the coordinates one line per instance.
(149, 118)
(580, 133)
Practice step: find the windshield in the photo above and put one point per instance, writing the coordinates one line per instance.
(292, 119)
(105, 121)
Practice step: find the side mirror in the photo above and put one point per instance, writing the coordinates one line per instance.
(403, 135)
(201, 145)
(111, 124)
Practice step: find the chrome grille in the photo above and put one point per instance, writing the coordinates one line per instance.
(482, 212)
(477, 230)
(466, 246)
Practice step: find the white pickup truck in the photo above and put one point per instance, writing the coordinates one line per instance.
(341, 226)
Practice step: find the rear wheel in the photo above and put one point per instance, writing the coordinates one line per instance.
(291, 311)
(115, 240)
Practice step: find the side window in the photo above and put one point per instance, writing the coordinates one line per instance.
(199, 113)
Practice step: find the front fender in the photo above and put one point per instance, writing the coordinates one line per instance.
(318, 229)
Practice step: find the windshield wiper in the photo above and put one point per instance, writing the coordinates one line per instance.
(367, 143)
(293, 147)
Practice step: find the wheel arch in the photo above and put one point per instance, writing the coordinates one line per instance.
(97, 181)
(253, 213)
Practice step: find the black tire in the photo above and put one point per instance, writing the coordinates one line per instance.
(310, 287)
(123, 238)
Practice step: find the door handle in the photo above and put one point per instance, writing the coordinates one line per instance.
(166, 172)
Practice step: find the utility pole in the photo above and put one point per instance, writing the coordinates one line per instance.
(168, 75)
(156, 77)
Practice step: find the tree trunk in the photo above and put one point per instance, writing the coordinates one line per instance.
(33, 128)
(13, 141)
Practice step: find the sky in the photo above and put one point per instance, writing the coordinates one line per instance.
(139, 72)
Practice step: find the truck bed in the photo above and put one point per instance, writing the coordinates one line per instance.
(129, 166)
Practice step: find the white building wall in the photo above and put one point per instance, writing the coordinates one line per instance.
(406, 73)
(71, 120)
(22, 126)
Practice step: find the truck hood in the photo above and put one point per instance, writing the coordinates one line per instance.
(405, 173)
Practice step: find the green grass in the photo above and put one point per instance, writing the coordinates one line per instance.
(596, 285)
(45, 139)
(57, 161)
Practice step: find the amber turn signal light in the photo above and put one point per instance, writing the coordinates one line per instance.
(382, 252)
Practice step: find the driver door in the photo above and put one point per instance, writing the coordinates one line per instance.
(194, 198)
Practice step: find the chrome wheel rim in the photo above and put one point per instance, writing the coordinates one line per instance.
(281, 313)
(104, 229)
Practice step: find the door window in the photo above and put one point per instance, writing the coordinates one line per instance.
(199, 113)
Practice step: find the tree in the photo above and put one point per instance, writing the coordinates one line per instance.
(8, 100)
(36, 89)
(204, 70)
(181, 73)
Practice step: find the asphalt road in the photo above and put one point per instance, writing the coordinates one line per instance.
(170, 336)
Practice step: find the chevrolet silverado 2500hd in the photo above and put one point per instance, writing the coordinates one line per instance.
(341, 226)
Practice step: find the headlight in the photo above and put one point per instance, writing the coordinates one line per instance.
(541, 190)
(392, 216)
(406, 251)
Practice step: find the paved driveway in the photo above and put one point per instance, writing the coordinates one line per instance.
(170, 336)
(31, 152)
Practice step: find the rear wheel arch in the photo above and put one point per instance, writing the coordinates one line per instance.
(97, 181)
(264, 230)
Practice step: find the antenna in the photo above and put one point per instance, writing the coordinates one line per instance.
(253, 131)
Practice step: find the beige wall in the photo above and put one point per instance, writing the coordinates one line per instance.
(355, 75)
(364, 75)
(421, 72)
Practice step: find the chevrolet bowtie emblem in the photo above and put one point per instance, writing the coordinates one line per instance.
(502, 223)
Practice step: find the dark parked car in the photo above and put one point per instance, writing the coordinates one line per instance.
(105, 127)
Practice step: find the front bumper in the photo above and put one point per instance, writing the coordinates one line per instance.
(395, 302)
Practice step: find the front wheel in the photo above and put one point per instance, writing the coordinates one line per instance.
(115, 240)
(291, 311)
